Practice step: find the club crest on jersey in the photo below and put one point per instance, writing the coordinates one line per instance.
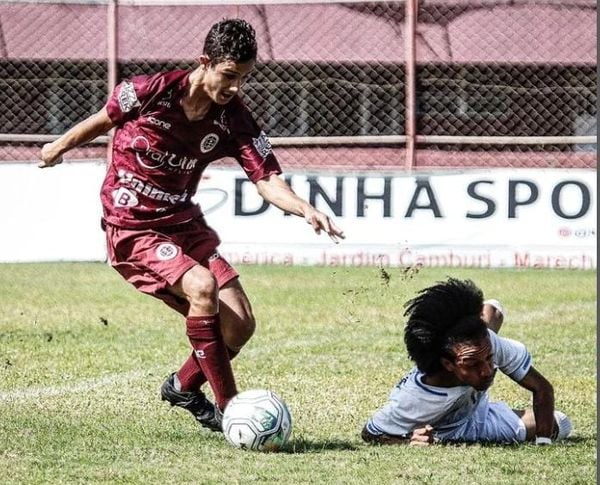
(262, 145)
(209, 142)
(166, 251)
(127, 97)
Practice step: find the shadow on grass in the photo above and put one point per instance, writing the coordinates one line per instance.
(302, 445)
(572, 441)
(577, 440)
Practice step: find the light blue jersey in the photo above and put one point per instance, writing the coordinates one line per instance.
(458, 413)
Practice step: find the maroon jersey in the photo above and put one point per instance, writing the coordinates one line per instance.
(159, 155)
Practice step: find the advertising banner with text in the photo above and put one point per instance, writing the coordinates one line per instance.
(475, 218)
(499, 218)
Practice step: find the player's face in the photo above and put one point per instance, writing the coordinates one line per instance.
(473, 364)
(225, 79)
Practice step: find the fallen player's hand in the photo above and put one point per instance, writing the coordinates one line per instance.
(422, 436)
(320, 221)
(49, 157)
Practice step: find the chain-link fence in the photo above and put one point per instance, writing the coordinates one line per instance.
(393, 85)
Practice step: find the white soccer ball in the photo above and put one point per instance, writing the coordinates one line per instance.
(257, 419)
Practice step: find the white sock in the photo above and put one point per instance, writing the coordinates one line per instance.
(564, 425)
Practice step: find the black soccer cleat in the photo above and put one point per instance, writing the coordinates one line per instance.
(205, 412)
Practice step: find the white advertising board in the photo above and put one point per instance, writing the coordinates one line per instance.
(474, 218)
(51, 214)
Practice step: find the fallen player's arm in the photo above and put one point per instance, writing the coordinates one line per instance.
(543, 404)
(419, 437)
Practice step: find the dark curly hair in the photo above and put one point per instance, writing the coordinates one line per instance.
(439, 317)
(230, 40)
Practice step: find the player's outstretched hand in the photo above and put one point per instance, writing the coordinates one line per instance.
(422, 436)
(322, 222)
(49, 157)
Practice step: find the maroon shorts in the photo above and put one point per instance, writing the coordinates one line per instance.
(154, 259)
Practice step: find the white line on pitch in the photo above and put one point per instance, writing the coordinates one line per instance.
(91, 384)
(84, 385)
(547, 312)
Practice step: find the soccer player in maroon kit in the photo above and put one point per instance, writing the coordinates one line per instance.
(168, 128)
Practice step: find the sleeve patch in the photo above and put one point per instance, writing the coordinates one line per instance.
(262, 145)
(127, 97)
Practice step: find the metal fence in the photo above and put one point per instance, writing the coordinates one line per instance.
(377, 85)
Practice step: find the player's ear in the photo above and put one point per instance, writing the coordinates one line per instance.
(204, 61)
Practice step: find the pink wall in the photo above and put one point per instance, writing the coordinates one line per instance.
(309, 32)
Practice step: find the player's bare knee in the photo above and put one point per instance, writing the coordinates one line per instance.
(201, 289)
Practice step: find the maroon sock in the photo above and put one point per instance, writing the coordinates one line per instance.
(191, 376)
(212, 356)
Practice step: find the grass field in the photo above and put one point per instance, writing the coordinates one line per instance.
(82, 356)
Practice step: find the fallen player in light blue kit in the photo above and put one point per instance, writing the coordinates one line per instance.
(451, 335)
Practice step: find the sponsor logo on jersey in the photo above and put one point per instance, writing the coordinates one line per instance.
(200, 354)
(165, 100)
(209, 142)
(214, 257)
(160, 123)
(222, 122)
(127, 97)
(152, 158)
(129, 180)
(262, 145)
(123, 197)
(166, 251)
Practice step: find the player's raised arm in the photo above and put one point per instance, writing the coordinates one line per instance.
(96, 125)
(277, 192)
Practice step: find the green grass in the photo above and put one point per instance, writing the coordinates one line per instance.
(82, 356)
